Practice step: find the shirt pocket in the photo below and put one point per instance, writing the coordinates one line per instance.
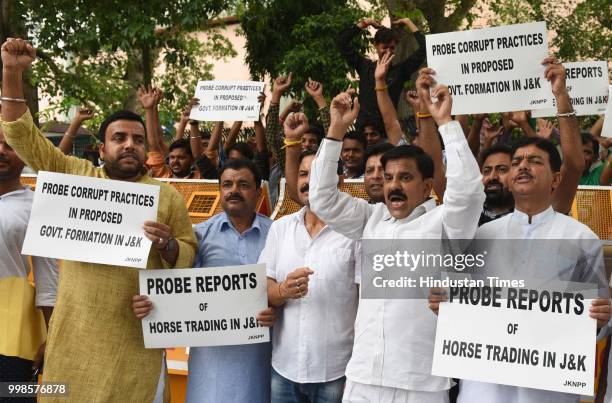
(336, 265)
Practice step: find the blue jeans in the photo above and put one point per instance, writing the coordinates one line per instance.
(286, 391)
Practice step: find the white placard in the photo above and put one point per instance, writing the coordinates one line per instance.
(227, 100)
(91, 220)
(587, 85)
(606, 130)
(521, 347)
(205, 306)
(492, 69)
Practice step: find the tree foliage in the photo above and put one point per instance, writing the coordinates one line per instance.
(99, 52)
(299, 37)
(581, 30)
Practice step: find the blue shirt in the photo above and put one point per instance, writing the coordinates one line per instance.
(230, 374)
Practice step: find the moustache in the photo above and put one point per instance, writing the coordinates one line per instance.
(4, 159)
(304, 188)
(524, 173)
(234, 196)
(397, 195)
(128, 154)
(494, 182)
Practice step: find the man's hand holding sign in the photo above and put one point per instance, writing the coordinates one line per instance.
(93, 218)
(492, 69)
(218, 306)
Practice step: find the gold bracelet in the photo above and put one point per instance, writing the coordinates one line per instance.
(380, 88)
(292, 143)
(423, 115)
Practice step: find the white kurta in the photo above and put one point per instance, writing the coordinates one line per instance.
(14, 216)
(394, 338)
(546, 225)
(312, 338)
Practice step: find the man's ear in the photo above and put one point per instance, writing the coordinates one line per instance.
(556, 180)
(101, 151)
(428, 186)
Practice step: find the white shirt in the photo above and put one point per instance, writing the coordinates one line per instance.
(394, 338)
(312, 338)
(14, 216)
(545, 225)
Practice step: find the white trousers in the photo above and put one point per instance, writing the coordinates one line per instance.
(360, 393)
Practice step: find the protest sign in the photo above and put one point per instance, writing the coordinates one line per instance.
(492, 69)
(606, 130)
(227, 100)
(91, 220)
(587, 85)
(531, 338)
(205, 307)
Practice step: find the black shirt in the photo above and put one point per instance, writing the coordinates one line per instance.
(397, 75)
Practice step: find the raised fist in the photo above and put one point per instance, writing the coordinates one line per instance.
(17, 54)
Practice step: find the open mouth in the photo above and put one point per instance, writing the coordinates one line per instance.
(397, 199)
(523, 178)
(493, 188)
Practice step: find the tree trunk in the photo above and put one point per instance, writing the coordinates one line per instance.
(134, 77)
(12, 25)
(139, 71)
(434, 13)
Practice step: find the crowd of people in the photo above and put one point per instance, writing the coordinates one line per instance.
(491, 179)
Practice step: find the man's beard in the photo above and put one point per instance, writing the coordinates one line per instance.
(499, 198)
(182, 173)
(115, 170)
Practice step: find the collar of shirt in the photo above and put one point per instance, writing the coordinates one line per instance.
(227, 224)
(540, 218)
(300, 217)
(493, 215)
(16, 193)
(595, 165)
(418, 211)
(347, 176)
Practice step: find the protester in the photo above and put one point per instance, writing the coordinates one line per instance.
(397, 371)
(374, 133)
(234, 237)
(495, 161)
(596, 172)
(534, 174)
(82, 115)
(182, 163)
(98, 371)
(184, 120)
(352, 154)
(428, 138)
(373, 178)
(385, 39)
(315, 90)
(25, 311)
(312, 280)
(495, 167)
